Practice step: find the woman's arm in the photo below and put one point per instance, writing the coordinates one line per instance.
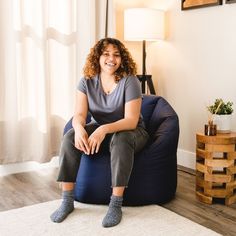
(81, 110)
(79, 121)
(130, 120)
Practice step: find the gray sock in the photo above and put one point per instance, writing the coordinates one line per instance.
(114, 213)
(67, 206)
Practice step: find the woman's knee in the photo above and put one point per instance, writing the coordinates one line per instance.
(68, 152)
(68, 139)
(122, 139)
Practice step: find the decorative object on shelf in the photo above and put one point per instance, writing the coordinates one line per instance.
(192, 4)
(144, 24)
(210, 129)
(230, 1)
(221, 113)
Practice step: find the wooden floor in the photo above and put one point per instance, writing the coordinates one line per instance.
(29, 188)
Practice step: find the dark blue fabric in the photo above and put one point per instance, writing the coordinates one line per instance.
(154, 175)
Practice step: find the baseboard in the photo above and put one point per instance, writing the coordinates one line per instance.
(184, 158)
(27, 166)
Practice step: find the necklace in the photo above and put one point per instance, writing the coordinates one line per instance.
(108, 87)
(108, 91)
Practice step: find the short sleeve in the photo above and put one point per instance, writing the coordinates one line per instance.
(81, 86)
(132, 89)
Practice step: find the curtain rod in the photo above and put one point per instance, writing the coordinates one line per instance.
(106, 23)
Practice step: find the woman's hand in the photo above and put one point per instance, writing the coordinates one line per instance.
(81, 139)
(96, 138)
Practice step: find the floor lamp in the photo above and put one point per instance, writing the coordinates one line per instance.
(144, 24)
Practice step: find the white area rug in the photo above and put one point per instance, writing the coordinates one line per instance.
(86, 221)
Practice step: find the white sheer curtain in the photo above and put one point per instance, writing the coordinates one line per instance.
(43, 45)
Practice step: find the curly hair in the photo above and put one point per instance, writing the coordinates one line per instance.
(92, 66)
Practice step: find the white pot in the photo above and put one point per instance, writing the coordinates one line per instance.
(223, 123)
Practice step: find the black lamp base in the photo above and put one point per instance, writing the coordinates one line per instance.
(146, 79)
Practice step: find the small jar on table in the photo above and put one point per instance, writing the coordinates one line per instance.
(216, 167)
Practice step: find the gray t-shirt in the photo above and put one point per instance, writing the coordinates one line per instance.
(108, 108)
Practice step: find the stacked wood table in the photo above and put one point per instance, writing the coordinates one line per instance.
(216, 167)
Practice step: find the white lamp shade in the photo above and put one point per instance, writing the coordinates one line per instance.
(143, 24)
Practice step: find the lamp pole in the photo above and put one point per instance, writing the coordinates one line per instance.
(144, 57)
(144, 78)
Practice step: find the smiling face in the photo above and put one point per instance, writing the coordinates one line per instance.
(110, 59)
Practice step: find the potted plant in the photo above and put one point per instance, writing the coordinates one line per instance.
(221, 113)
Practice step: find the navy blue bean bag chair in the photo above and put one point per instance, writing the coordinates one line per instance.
(154, 176)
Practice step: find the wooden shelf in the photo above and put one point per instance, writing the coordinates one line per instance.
(216, 167)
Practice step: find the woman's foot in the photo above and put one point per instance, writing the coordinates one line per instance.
(67, 206)
(114, 213)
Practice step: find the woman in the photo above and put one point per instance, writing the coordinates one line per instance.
(112, 95)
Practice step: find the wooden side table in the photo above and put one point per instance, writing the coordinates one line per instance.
(216, 167)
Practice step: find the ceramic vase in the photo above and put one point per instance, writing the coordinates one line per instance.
(223, 123)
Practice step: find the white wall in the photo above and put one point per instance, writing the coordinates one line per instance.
(193, 66)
